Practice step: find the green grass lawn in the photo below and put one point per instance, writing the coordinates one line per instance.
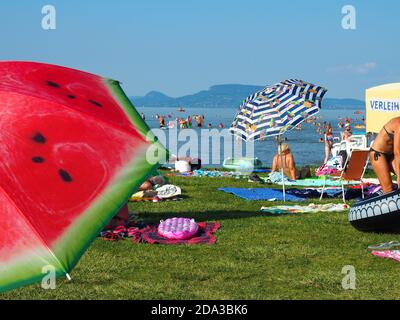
(256, 256)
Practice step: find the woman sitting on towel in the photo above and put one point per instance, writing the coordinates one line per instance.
(385, 154)
(285, 162)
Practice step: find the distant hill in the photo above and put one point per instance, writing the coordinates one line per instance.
(330, 103)
(224, 96)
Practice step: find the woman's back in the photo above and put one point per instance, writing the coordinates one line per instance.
(286, 162)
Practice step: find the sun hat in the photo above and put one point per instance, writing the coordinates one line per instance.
(168, 191)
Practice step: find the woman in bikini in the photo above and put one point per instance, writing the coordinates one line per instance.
(385, 154)
(289, 166)
(328, 142)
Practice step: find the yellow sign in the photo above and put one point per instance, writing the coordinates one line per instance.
(382, 104)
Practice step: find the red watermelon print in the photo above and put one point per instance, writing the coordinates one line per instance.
(72, 150)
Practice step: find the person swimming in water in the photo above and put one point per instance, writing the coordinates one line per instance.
(199, 120)
(385, 154)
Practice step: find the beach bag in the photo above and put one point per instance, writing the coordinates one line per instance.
(195, 164)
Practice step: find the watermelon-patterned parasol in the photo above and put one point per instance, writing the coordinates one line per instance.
(72, 150)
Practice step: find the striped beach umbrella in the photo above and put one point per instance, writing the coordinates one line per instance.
(277, 109)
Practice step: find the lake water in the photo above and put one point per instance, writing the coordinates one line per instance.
(304, 144)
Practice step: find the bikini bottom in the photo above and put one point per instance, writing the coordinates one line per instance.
(377, 154)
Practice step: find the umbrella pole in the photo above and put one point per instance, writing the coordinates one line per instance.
(68, 276)
(283, 175)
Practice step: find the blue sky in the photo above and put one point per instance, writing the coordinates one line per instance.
(184, 46)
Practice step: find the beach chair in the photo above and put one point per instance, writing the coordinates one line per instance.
(353, 170)
(354, 142)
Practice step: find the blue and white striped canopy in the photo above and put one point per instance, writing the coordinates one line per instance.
(276, 109)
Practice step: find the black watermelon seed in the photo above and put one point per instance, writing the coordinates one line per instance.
(53, 84)
(37, 159)
(97, 104)
(71, 96)
(65, 176)
(39, 138)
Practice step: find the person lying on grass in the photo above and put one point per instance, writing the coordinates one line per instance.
(122, 217)
(285, 162)
(385, 154)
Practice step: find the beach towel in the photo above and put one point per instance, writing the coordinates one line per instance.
(374, 181)
(276, 178)
(260, 194)
(212, 173)
(261, 170)
(205, 235)
(311, 182)
(311, 208)
(314, 193)
(385, 246)
(390, 254)
(155, 199)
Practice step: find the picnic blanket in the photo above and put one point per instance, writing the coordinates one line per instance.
(260, 194)
(311, 208)
(205, 235)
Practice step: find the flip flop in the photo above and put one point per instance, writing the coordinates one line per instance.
(385, 246)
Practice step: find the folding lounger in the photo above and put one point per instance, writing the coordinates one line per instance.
(354, 169)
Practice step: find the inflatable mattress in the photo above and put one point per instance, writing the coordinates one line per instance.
(378, 214)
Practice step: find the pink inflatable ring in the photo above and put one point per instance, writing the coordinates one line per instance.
(178, 228)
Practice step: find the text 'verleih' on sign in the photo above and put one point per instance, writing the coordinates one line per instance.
(384, 105)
